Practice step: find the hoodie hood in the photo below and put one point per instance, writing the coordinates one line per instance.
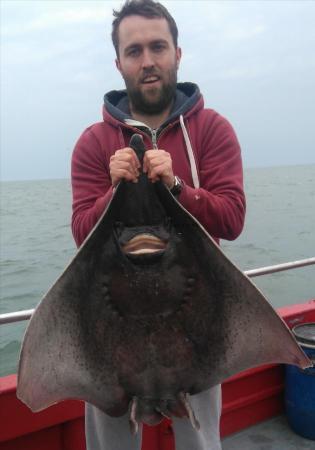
(116, 103)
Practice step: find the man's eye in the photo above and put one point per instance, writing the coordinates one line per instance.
(158, 47)
(133, 52)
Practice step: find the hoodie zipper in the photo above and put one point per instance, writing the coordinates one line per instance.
(154, 137)
(157, 133)
(154, 132)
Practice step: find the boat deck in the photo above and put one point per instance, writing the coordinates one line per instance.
(274, 434)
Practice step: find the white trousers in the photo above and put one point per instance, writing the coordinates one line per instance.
(109, 433)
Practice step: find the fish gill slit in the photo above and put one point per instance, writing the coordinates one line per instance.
(113, 309)
(186, 298)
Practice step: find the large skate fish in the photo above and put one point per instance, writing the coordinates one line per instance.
(148, 312)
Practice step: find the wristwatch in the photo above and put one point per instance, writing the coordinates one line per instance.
(177, 188)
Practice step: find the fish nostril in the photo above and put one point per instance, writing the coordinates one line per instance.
(167, 223)
(119, 228)
(191, 281)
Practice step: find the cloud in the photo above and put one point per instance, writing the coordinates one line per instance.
(57, 16)
(243, 33)
(69, 17)
(36, 33)
(238, 73)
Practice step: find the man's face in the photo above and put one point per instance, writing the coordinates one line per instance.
(148, 62)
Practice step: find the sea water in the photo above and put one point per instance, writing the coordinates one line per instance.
(36, 241)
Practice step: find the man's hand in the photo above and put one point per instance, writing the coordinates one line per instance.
(124, 164)
(158, 166)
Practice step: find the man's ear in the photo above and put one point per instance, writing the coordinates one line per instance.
(178, 56)
(118, 64)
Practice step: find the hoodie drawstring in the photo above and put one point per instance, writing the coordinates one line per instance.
(191, 156)
(121, 138)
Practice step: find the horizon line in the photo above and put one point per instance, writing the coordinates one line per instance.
(249, 167)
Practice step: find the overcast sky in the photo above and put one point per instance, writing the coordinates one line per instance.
(253, 60)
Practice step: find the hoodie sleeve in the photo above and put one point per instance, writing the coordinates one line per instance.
(219, 204)
(91, 185)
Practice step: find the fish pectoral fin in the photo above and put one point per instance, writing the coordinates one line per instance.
(183, 399)
(134, 425)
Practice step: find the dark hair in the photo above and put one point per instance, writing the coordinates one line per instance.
(144, 8)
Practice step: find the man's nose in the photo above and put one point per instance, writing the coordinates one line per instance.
(147, 60)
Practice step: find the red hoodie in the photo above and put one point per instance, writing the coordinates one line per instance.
(219, 203)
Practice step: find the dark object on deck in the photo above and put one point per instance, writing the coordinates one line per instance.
(300, 386)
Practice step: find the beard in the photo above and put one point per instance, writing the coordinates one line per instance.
(155, 100)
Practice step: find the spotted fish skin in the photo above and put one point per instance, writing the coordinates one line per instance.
(148, 312)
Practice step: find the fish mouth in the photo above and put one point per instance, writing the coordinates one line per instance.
(144, 244)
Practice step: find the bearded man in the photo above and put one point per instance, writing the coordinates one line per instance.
(193, 150)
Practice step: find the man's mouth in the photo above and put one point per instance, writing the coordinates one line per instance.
(150, 79)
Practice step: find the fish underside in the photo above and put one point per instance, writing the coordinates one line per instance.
(149, 312)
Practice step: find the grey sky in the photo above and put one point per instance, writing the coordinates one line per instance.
(253, 60)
